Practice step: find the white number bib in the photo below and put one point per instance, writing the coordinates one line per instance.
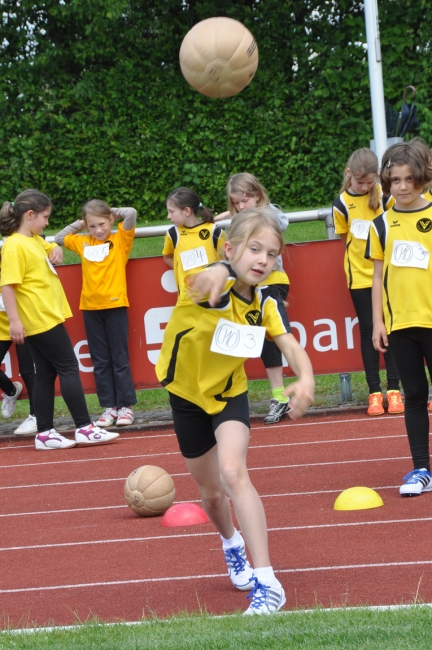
(194, 258)
(410, 253)
(360, 228)
(96, 253)
(237, 340)
(2, 307)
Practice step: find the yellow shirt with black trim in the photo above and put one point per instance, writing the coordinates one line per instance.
(40, 298)
(407, 295)
(104, 283)
(187, 367)
(349, 208)
(182, 239)
(428, 195)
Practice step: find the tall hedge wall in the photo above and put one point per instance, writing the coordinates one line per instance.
(93, 103)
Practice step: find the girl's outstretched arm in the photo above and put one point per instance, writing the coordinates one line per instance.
(379, 333)
(128, 215)
(209, 284)
(17, 331)
(301, 392)
(72, 229)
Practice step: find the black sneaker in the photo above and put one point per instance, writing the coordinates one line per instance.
(277, 410)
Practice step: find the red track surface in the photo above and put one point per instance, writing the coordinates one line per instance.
(71, 549)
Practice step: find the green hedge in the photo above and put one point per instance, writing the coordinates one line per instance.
(93, 102)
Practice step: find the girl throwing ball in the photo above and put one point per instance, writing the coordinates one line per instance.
(207, 387)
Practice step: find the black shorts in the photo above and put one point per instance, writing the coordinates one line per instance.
(195, 428)
(271, 355)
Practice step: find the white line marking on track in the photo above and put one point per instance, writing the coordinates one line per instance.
(177, 453)
(116, 583)
(279, 529)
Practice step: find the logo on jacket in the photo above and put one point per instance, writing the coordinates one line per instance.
(253, 317)
(424, 225)
(204, 234)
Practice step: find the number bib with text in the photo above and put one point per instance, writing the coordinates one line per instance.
(410, 254)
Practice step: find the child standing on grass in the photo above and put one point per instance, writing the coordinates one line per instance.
(208, 391)
(193, 241)
(245, 191)
(400, 244)
(104, 303)
(37, 307)
(360, 201)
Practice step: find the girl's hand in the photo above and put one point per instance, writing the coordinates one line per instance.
(17, 331)
(301, 394)
(208, 285)
(56, 255)
(379, 337)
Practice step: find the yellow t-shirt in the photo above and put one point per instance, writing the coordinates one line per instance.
(187, 367)
(103, 268)
(4, 321)
(350, 212)
(403, 240)
(428, 195)
(190, 245)
(41, 301)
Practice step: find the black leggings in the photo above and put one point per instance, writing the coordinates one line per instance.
(53, 355)
(362, 300)
(26, 369)
(411, 347)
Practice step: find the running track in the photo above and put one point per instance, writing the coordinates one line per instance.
(70, 549)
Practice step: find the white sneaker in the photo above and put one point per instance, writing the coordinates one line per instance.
(52, 440)
(108, 418)
(27, 427)
(93, 435)
(265, 599)
(9, 402)
(125, 417)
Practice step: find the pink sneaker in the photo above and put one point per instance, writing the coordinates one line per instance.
(93, 435)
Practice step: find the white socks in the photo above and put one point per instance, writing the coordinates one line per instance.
(236, 540)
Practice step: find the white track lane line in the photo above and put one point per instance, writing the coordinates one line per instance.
(335, 441)
(250, 469)
(113, 507)
(265, 427)
(151, 538)
(115, 583)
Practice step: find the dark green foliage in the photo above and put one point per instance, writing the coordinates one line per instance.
(93, 102)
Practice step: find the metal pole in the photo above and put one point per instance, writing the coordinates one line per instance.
(375, 77)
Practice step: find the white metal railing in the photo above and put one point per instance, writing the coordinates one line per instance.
(320, 214)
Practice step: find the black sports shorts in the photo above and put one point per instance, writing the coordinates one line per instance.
(195, 428)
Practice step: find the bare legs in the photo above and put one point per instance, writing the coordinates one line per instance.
(222, 471)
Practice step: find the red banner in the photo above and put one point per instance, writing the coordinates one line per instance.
(320, 311)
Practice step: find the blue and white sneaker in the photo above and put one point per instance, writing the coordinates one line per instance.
(239, 569)
(265, 599)
(416, 482)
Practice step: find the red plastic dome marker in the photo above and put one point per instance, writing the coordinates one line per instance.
(184, 514)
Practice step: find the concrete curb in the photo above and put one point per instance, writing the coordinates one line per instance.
(161, 419)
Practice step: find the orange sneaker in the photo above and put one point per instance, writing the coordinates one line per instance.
(395, 403)
(376, 404)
